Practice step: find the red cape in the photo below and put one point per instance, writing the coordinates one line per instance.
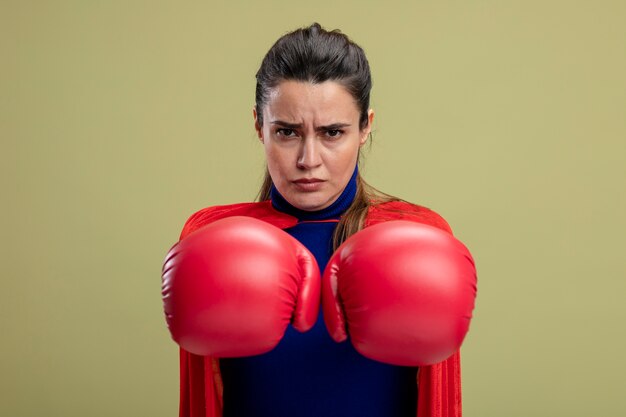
(438, 386)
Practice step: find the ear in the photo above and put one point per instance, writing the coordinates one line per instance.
(257, 126)
(368, 129)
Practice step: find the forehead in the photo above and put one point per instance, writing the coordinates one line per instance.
(302, 101)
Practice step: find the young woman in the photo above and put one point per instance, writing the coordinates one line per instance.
(242, 288)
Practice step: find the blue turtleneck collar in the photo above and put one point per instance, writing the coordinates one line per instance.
(334, 211)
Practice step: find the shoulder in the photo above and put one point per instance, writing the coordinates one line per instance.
(261, 210)
(402, 210)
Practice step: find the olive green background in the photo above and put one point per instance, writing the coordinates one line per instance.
(120, 118)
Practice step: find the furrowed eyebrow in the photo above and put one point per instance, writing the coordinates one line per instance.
(333, 126)
(287, 125)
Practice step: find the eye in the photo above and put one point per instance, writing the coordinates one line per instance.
(334, 133)
(285, 132)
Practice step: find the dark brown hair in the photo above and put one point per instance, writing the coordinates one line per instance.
(315, 55)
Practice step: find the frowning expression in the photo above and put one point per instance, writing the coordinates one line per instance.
(311, 137)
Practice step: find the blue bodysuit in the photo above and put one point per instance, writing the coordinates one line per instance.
(308, 374)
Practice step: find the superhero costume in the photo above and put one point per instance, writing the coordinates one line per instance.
(201, 385)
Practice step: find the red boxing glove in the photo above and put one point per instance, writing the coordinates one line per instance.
(404, 291)
(231, 288)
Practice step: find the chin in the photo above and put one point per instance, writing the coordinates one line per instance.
(309, 207)
(309, 204)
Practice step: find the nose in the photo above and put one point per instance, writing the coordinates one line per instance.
(309, 156)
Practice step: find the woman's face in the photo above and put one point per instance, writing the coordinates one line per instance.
(312, 138)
